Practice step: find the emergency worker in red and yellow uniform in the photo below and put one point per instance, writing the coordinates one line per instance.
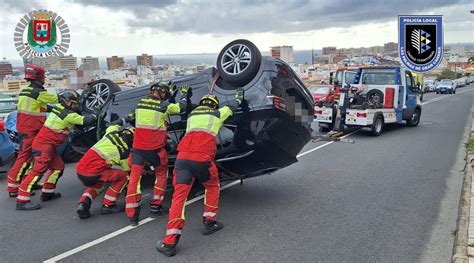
(195, 160)
(62, 119)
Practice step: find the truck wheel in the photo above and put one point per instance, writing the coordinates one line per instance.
(415, 118)
(375, 97)
(239, 62)
(377, 125)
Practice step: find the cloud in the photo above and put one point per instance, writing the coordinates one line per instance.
(136, 6)
(250, 16)
(19, 6)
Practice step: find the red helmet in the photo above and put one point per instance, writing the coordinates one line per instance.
(33, 71)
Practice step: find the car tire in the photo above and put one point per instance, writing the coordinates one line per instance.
(92, 102)
(69, 155)
(377, 126)
(375, 97)
(238, 62)
(415, 118)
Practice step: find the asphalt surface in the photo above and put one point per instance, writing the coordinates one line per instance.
(392, 198)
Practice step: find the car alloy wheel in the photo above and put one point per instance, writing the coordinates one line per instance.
(97, 96)
(236, 59)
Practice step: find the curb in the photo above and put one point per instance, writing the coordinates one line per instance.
(463, 250)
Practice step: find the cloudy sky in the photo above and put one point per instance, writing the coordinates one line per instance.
(129, 27)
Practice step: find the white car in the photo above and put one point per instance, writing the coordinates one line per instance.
(446, 86)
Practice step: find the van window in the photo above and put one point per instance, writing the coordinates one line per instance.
(378, 78)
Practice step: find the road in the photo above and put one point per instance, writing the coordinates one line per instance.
(392, 198)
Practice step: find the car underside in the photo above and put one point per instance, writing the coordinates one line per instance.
(265, 134)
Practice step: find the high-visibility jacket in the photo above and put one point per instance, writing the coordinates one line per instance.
(32, 105)
(110, 151)
(58, 124)
(203, 125)
(150, 117)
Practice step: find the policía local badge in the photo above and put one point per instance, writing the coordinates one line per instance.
(420, 42)
(41, 33)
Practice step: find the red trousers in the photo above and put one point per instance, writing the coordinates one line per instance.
(22, 163)
(46, 158)
(185, 173)
(138, 158)
(95, 184)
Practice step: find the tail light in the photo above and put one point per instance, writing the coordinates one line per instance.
(2, 126)
(278, 103)
(318, 112)
(363, 115)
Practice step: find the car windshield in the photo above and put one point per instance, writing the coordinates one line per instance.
(316, 90)
(446, 81)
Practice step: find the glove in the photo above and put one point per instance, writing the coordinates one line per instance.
(239, 95)
(172, 86)
(186, 92)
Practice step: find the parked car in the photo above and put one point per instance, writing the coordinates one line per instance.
(6, 146)
(66, 151)
(264, 135)
(7, 105)
(446, 86)
(430, 85)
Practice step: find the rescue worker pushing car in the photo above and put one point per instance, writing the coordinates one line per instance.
(106, 162)
(32, 107)
(54, 132)
(149, 146)
(195, 160)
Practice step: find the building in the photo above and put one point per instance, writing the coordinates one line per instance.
(68, 62)
(5, 68)
(46, 62)
(329, 51)
(145, 60)
(284, 53)
(90, 63)
(115, 62)
(390, 47)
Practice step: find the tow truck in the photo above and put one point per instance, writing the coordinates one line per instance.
(328, 114)
(381, 95)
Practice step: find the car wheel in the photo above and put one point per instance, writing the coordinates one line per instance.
(377, 125)
(69, 155)
(375, 97)
(239, 62)
(97, 94)
(415, 118)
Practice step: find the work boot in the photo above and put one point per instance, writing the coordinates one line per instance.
(37, 187)
(134, 219)
(83, 210)
(211, 227)
(12, 194)
(166, 250)
(27, 206)
(156, 210)
(111, 209)
(49, 196)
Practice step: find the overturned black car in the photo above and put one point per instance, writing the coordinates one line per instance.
(266, 133)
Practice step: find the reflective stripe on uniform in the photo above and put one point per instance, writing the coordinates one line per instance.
(24, 198)
(13, 185)
(110, 198)
(158, 197)
(173, 231)
(48, 190)
(87, 195)
(132, 205)
(208, 214)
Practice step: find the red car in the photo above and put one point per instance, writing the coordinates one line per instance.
(322, 94)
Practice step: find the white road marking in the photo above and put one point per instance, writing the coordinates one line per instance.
(120, 231)
(445, 97)
(149, 219)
